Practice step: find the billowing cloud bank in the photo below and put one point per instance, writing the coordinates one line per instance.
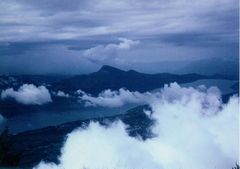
(28, 94)
(193, 128)
(109, 98)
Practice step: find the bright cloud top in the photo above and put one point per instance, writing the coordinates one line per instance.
(109, 52)
(28, 94)
(193, 128)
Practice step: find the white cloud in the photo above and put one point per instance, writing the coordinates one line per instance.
(28, 94)
(109, 98)
(62, 94)
(110, 52)
(193, 128)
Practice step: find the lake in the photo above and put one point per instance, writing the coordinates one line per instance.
(25, 118)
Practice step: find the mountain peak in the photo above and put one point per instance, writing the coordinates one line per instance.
(132, 71)
(107, 68)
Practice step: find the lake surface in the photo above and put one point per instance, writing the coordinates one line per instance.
(28, 118)
(39, 118)
(223, 85)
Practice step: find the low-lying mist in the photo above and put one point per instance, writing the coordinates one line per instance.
(193, 130)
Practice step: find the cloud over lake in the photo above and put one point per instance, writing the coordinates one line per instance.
(28, 94)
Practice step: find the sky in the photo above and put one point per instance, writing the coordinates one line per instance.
(79, 36)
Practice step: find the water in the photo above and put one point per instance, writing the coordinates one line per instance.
(29, 118)
(42, 117)
(223, 85)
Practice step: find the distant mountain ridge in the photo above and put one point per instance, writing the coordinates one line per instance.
(108, 77)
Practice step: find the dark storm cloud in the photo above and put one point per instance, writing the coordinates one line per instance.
(196, 39)
(71, 20)
(16, 48)
(175, 30)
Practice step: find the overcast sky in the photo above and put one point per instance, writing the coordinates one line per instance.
(78, 36)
